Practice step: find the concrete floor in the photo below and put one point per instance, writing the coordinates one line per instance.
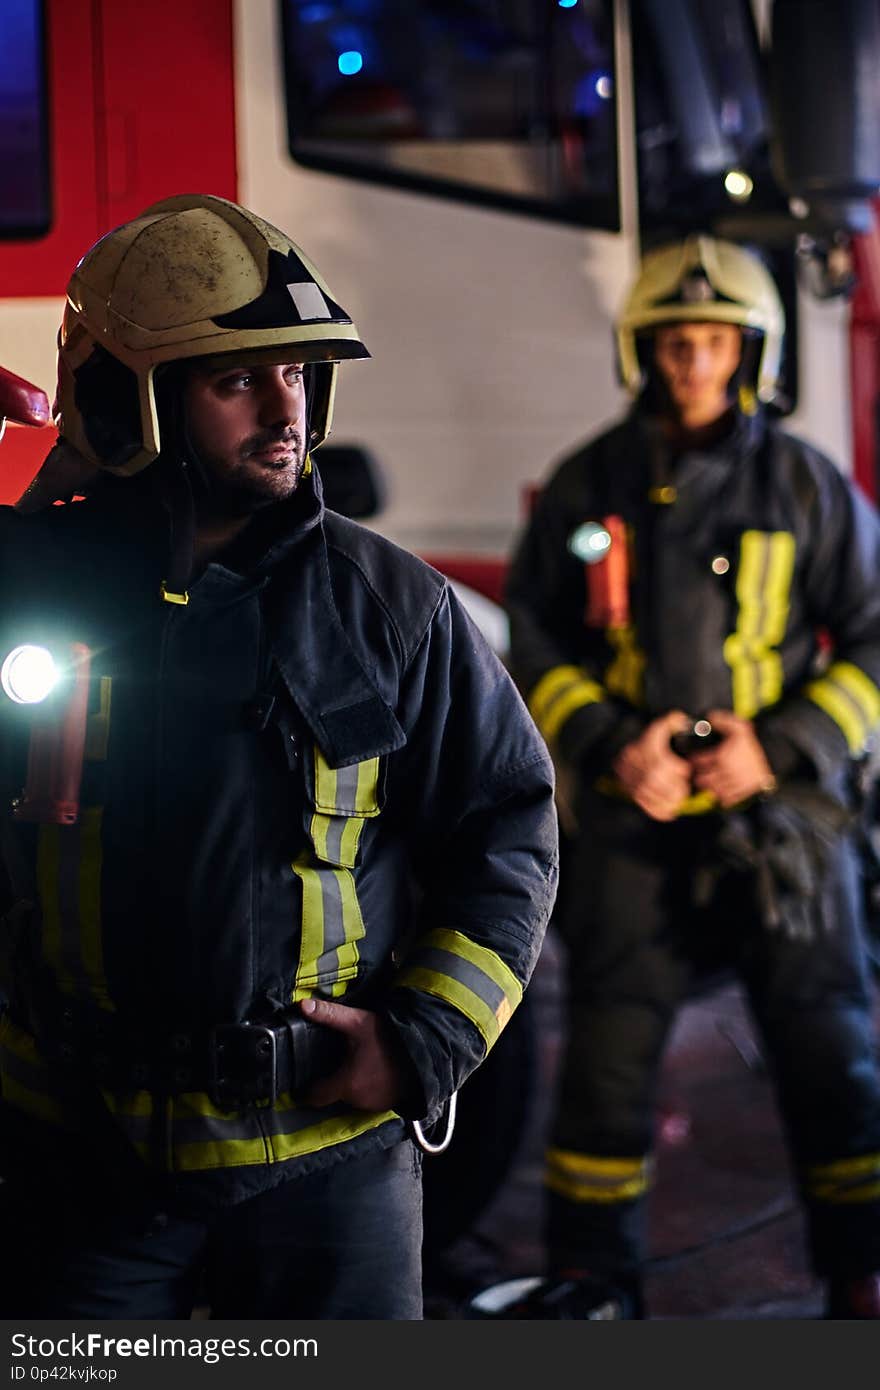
(726, 1234)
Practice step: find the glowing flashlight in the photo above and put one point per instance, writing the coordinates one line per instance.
(590, 542)
(28, 674)
(56, 749)
(738, 185)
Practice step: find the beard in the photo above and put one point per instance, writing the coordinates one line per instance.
(265, 469)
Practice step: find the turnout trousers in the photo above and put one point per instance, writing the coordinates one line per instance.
(343, 1242)
(636, 944)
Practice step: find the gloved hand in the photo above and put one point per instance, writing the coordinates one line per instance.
(786, 842)
(63, 474)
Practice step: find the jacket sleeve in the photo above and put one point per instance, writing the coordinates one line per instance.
(475, 786)
(831, 716)
(545, 596)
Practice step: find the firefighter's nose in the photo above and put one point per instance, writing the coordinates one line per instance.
(282, 398)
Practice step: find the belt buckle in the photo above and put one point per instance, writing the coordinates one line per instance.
(242, 1065)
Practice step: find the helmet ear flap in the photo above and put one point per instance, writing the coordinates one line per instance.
(107, 400)
(320, 395)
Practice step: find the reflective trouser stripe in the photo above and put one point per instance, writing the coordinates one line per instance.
(69, 861)
(558, 694)
(470, 977)
(850, 698)
(844, 1181)
(332, 925)
(588, 1178)
(625, 675)
(199, 1136)
(763, 587)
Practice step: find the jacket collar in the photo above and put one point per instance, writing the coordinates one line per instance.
(329, 682)
(327, 679)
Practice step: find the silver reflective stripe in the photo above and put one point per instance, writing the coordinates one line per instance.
(466, 973)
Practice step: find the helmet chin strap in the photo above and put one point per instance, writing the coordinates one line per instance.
(173, 473)
(178, 496)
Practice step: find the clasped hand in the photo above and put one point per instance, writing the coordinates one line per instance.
(658, 780)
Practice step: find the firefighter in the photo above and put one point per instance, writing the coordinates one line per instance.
(695, 623)
(283, 895)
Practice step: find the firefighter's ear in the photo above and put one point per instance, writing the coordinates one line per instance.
(63, 475)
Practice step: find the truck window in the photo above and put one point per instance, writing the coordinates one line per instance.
(24, 152)
(511, 103)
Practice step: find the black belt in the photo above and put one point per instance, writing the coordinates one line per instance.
(237, 1064)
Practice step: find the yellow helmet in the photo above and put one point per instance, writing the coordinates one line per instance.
(192, 276)
(703, 280)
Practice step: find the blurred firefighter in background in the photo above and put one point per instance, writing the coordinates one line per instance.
(283, 895)
(668, 600)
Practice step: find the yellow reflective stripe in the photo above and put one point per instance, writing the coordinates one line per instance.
(625, 675)
(837, 707)
(336, 838)
(846, 1167)
(36, 1103)
(367, 795)
(349, 841)
(780, 569)
(470, 977)
(332, 925)
(47, 886)
(319, 830)
(460, 997)
(558, 694)
(763, 587)
(325, 783)
(697, 804)
(347, 791)
(850, 698)
(845, 1181)
(275, 1134)
(69, 863)
(89, 903)
(590, 1178)
(24, 1077)
(312, 941)
(242, 1153)
(327, 1133)
(348, 952)
(98, 726)
(860, 686)
(483, 957)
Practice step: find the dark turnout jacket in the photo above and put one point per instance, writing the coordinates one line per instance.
(754, 585)
(313, 778)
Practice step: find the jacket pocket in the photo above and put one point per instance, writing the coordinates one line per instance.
(339, 802)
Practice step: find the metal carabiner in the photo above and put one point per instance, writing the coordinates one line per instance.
(424, 1143)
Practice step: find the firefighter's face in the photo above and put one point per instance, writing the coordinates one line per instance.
(696, 361)
(247, 423)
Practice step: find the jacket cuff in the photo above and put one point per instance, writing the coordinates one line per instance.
(786, 760)
(593, 736)
(801, 725)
